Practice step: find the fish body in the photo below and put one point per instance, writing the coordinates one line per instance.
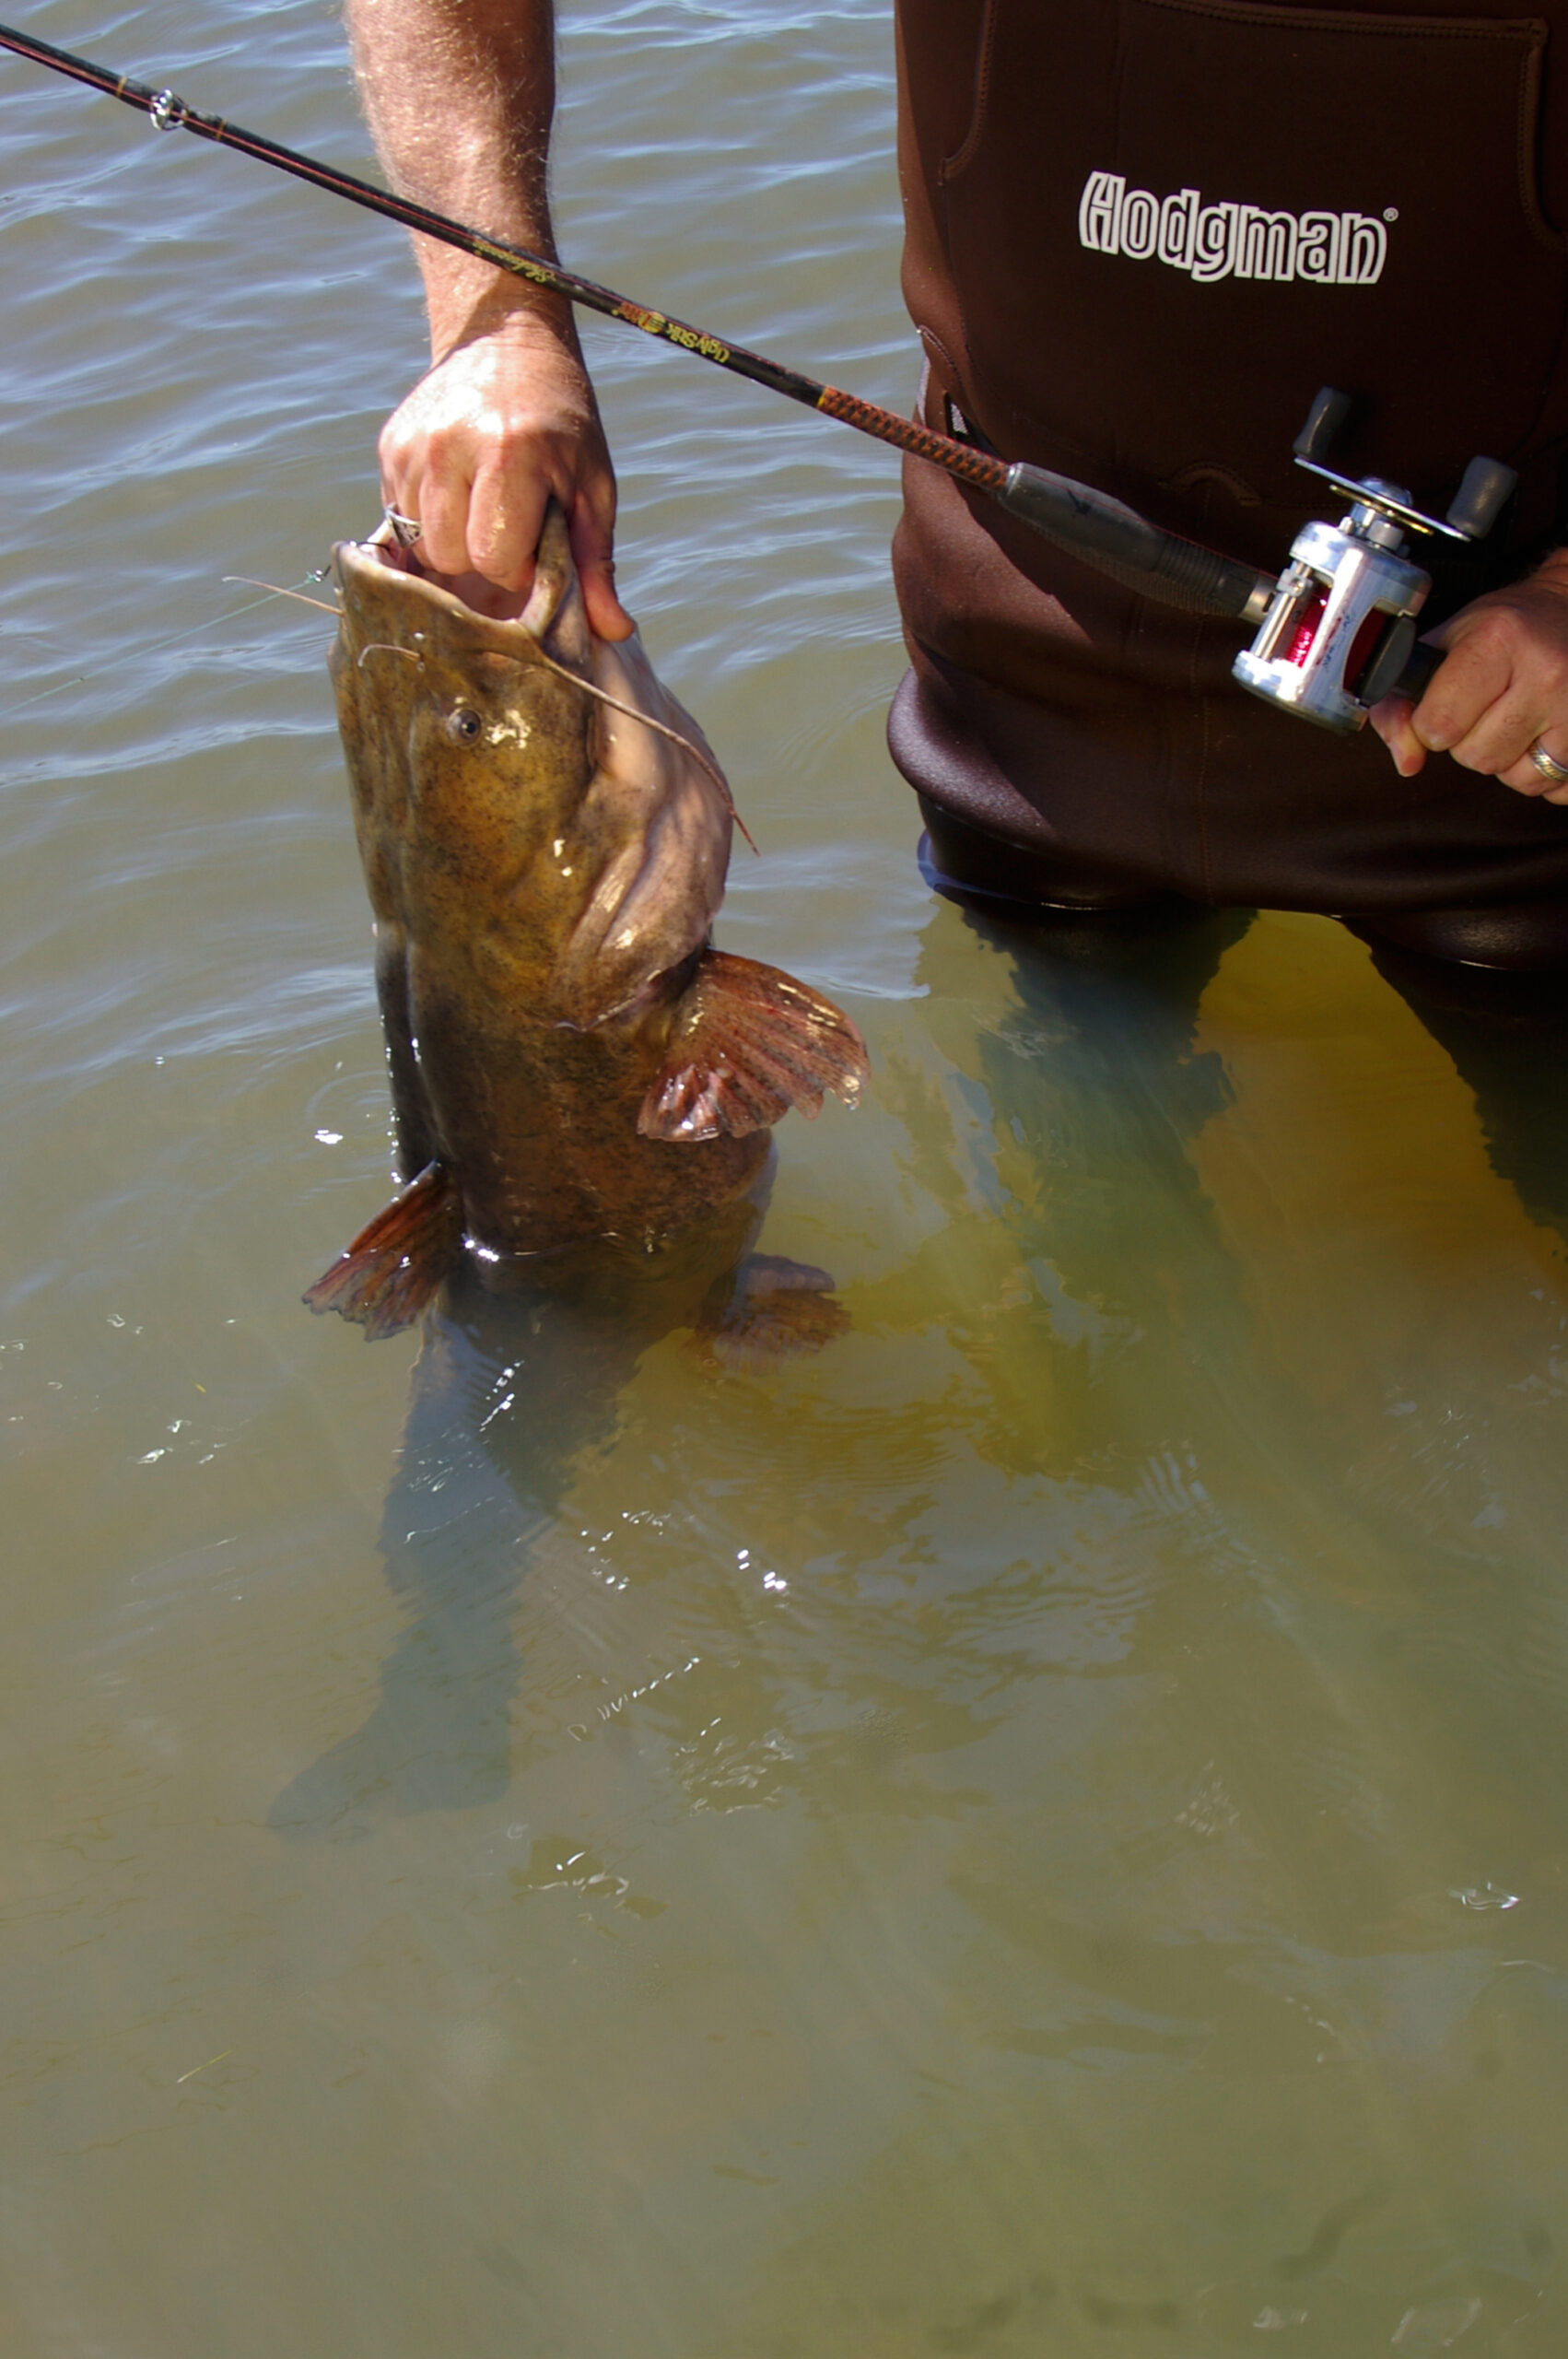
(544, 835)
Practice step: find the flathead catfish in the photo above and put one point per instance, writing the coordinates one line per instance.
(544, 835)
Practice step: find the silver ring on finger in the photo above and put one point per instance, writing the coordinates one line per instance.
(407, 528)
(1542, 761)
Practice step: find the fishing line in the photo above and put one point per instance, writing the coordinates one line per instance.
(298, 596)
(663, 727)
(156, 646)
(575, 679)
(1096, 528)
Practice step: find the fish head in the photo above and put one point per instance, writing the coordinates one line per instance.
(535, 812)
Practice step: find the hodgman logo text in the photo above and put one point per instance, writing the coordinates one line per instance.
(1229, 240)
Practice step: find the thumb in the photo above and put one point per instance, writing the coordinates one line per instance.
(590, 525)
(1392, 721)
(606, 615)
(594, 554)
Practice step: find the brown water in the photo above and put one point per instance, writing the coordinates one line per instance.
(1041, 1830)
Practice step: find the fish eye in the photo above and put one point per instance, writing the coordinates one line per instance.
(463, 725)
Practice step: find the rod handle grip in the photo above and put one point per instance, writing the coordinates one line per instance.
(1416, 677)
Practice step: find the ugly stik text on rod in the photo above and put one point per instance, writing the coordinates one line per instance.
(1099, 530)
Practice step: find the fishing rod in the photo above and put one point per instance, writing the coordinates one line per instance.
(1336, 632)
(1088, 523)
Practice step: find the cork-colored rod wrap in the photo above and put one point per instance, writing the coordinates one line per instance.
(970, 465)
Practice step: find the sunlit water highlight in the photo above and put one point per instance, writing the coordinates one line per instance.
(1038, 1830)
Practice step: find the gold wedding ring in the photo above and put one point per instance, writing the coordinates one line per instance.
(1542, 761)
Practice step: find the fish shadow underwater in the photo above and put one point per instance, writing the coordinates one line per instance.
(507, 1397)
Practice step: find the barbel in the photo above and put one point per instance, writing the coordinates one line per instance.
(1088, 523)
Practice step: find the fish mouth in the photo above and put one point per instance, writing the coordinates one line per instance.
(390, 596)
(380, 583)
(472, 591)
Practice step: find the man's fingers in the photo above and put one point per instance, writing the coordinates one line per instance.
(423, 478)
(1501, 689)
(606, 615)
(498, 425)
(1392, 722)
(1525, 779)
(591, 551)
(1474, 674)
(440, 506)
(1502, 735)
(506, 516)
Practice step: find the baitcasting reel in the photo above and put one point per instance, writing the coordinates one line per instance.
(1340, 630)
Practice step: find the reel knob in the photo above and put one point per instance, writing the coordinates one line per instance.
(1482, 495)
(1324, 419)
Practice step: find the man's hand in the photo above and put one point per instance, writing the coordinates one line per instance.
(1503, 685)
(504, 420)
(459, 95)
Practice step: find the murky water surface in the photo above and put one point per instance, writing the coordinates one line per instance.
(1042, 1829)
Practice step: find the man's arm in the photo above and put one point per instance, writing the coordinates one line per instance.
(459, 95)
(1503, 688)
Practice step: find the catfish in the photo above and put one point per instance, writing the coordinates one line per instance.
(545, 834)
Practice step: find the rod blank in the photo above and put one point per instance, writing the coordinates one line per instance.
(1073, 517)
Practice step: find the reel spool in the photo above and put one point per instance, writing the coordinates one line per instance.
(1341, 629)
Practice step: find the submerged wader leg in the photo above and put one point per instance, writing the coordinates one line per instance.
(1507, 1033)
(965, 864)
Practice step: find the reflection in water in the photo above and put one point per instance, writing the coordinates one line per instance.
(1221, 1861)
(508, 1394)
(1121, 1853)
(1508, 1036)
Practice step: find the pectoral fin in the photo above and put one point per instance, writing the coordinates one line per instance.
(748, 1043)
(768, 1310)
(397, 1261)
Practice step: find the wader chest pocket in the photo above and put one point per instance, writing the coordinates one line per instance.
(1169, 220)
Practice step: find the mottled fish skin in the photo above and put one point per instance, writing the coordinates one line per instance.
(565, 1049)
